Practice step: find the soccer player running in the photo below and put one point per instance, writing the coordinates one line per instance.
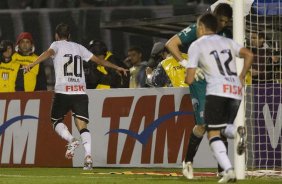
(215, 55)
(223, 12)
(70, 88)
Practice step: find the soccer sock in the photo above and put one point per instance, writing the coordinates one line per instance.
(86, 141)
(63, 131)
(193, 146)
(224, 140)
(219, 151)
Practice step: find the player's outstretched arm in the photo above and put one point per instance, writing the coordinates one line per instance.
(108, 64)
(45, 55)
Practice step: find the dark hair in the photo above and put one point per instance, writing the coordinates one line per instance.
(4, 44)
(136, 49)
(209, 20)
(63, 30)
(98, 47)
(261, 35)
(223, 9)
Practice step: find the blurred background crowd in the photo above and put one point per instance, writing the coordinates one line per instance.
(26, 4)
(25, 33)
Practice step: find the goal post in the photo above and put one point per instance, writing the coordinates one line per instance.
(261, 108)
(239, 37)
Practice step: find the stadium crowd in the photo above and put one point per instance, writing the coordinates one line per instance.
(143, 72)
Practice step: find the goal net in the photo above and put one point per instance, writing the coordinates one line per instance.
(263, 97)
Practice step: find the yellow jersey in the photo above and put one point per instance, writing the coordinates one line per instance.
(8, 76)
(30, 78)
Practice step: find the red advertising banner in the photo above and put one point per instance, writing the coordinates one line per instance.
(28, 139)
(129, 128)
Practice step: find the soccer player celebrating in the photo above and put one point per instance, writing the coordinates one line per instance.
(70, 88)
(216, 57)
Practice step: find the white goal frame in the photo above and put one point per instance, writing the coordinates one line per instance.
(239, 37)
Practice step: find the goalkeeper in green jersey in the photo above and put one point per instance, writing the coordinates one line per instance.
(223, 12)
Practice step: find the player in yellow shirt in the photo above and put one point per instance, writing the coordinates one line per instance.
(35, 80)
(10, 73)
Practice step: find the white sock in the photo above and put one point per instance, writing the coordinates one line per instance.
(86, 141)
(219, 151)
(63, 131)
(229, 131)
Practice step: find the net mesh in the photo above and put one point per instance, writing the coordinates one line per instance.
(263, 89)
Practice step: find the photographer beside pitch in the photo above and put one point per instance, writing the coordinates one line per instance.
(215, 55)
(70, 89)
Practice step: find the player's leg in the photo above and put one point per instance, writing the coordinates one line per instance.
(86, 142)
(220, 153)
(60, 107)
(232, 130)
(198, 93)
(220, 170)
(194, 142)
(80, 113)
(217, 105)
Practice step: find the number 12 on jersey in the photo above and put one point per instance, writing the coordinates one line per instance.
(226, 63)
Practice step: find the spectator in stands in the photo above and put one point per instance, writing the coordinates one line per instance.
(264, 61)
(157, 55)
(10, 73)
(100, 77)
(277, 65)
(137, 71)
(168, 73)
(24, 55)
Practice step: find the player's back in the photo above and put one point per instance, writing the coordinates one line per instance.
(68, 65)
(217, 59)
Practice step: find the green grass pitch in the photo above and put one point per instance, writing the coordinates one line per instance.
(110, 175)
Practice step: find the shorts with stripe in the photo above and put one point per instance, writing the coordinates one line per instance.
(63, 103)
(220, 111)
(198, 95)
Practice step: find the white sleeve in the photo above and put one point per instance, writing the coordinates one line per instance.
(54, 47)
(194, 55)
(236, 47)
(85, 53)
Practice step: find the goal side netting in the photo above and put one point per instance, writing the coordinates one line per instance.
(263, 95)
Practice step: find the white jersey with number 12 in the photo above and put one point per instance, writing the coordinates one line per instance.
(216, 56)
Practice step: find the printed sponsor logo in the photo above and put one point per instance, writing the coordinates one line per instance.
(232, 89)
(147, 132)
(5, 76)
(75, 88)
(18, 131)
(164, 139)
(274, 131)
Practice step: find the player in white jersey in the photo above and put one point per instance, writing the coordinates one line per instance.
(70, 88)
(215, 55)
